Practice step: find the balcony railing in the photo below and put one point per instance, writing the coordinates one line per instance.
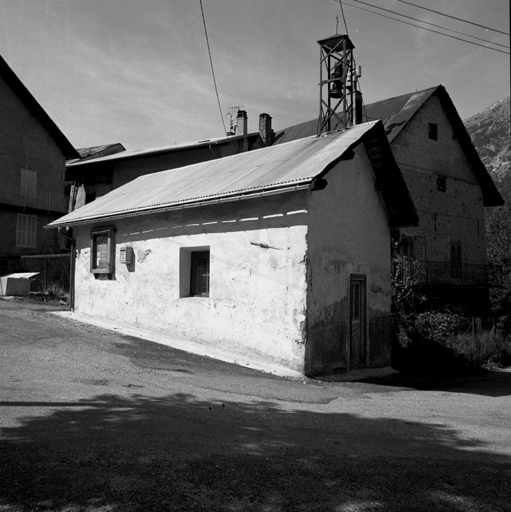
(15, 196)
(445, 273)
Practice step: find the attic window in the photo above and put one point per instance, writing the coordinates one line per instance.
(433, 131)
(441, 184)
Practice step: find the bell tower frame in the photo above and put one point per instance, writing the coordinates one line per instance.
(340, 101)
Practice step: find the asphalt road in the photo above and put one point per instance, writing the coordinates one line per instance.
(94, 421)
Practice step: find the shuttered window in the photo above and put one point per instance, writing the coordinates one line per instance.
(28, 183)
(26, 228)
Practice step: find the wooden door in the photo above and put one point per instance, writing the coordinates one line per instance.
(357, 321)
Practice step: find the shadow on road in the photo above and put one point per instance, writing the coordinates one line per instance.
(178, 453)
(491, 383)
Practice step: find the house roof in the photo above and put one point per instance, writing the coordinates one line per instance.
(395, 113)
(275, 169)
(138, 153)
(36, 110)
(98, 151)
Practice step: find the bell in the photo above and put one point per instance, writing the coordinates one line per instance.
(337, 90)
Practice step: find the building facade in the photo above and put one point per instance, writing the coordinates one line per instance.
(450, 188)
(32, 167)
(281, 253)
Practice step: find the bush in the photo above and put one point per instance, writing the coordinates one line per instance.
(440, 343)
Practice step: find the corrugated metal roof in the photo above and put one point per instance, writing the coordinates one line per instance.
(275, 167)
(132, 153)
(394, 112)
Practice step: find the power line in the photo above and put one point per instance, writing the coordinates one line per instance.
(455, 18)
(431, 24)
(212, 70)
(428, 29)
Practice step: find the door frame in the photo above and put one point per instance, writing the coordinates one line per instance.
(361, 278)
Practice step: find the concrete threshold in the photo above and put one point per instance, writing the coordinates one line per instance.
(184, 344)
(364, 373)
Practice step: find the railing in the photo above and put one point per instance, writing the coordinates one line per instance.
(49, 202)
(445, 273)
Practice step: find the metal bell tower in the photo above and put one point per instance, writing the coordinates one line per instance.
(340, 100)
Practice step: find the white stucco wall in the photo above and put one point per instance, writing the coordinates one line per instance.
(348, 234)
(257, 295)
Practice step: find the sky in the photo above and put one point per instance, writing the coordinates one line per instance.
(138, 72)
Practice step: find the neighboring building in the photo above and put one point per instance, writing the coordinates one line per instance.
(282, 253)
(450, 187)
(32, 165)
(94, 176)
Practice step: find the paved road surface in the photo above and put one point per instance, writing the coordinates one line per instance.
(94, 421)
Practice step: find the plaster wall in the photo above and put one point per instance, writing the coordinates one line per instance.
(257, 299)
(454, 215)
(348, 234)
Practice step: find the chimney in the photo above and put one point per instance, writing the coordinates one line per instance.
(265, 130)
(241, 122)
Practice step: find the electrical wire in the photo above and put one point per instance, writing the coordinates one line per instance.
(431, 24)
(212, 70)
(428, 29)
(455, 18)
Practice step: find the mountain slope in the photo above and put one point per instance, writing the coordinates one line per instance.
(490, 132)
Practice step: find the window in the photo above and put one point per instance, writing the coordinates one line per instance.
(102, 250)
(433, 131)
(199, 276)
(408, 247)
(456, 260)
(26, 230)
(194, 270)
(28, 183)
(441, 183)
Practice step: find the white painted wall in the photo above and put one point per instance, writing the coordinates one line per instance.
(348, 234)
(257, 296)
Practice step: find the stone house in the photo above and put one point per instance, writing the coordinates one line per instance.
(32, 166)
(100, 170)
(280, 253)
(450, 188)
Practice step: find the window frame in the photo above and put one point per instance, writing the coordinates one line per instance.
(28, 183)
(26, 233)
(194, 277)
(109, 231)
(456, 259)
(433, 131)
(408, 247)
(441, 183)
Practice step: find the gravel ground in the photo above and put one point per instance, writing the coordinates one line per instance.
(95, 421)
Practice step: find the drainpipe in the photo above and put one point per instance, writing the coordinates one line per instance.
(72, 269)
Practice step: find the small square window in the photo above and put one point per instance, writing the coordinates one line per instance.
(441, 183)
(26, 228)
(199, 276)
(433, 131)
(102, 250)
